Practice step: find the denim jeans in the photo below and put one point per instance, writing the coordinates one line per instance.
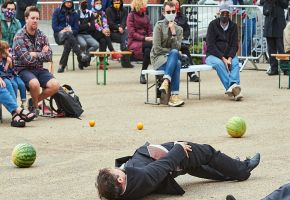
(10, 88)
(227, 78)
(172, 70)
(249, 30)
(17, 83)
(7, 100)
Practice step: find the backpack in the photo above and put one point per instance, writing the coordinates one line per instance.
(67, 102)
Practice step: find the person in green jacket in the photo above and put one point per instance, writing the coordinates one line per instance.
(9, 24)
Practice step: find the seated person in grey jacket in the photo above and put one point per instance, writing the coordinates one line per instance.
(152, 169)
(167, 37)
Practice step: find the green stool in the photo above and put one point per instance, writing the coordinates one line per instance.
(283, 66)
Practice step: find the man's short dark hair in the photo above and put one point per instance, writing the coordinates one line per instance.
(168, 3)
(5, 4)
(108, 185)
(30, 9)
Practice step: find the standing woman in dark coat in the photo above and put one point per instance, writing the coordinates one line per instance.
(20, 8)
(140, 34)
(275, 23)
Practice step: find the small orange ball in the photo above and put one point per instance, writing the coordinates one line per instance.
(92, 123)
(140, 126)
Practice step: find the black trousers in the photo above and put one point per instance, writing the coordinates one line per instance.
(69, 42)
(185, 50)
(274, 45)
(282, 193)
(205, 162)
(105, 41)
(121, 38)
(146, 49)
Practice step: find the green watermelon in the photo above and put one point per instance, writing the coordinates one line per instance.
(236, 127)
(23, 155)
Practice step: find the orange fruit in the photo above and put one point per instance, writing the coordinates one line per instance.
(140, 126)
(92, 123)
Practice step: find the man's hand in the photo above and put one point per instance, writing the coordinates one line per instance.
(171, 25)
(148, 39)
(33, 54)
(121, 30)
(227, 63)
(2, 83)
(185, 147)
(45, 49)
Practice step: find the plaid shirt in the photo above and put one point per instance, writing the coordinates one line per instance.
(23, 44)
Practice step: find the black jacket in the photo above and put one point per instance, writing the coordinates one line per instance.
(21, 6)
(274, 17)
(84, 21)
(116, 18)
(155, 176)
(222, 43)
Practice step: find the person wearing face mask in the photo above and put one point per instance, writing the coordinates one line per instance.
(9, 24)
(182, 21)
(21, 6)
(222, 47)
(105, 4)
(167, 37)
(65, 24)
(117, 16)
(102, 32)
(86, 26)
(140, 34)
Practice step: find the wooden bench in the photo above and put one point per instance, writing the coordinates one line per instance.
(156, 73)
(284, 57)
(106, 55)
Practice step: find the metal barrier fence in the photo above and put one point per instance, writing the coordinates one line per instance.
(251, 42)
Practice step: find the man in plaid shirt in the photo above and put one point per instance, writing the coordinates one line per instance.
(31, 49)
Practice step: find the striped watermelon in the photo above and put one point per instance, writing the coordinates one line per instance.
(236, 127)
(23, 155)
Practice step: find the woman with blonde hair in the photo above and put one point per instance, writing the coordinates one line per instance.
(140, 34)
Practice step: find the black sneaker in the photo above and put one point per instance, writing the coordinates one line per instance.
(143, 79)
(81, 65)
(194, 78)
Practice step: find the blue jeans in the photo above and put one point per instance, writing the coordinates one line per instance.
(10, 88)
(7, 100)
(172, 70)
(249, 30)
(17, 83)
(226, 78)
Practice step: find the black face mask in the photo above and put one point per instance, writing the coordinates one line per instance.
(84, 6)
(224, 19)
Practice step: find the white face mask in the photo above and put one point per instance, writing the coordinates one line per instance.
(170, 17)
(98, 7)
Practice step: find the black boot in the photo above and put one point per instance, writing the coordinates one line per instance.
(230, 197)
(143, 79)
(61, 69)
(125, 62)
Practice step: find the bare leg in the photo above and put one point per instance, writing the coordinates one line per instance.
(34, 88)
(52, 87)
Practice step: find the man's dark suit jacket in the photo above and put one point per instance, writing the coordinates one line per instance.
(145, 175)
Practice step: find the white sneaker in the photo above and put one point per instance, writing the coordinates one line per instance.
(234, 90)
(239, 97)
(175, 101)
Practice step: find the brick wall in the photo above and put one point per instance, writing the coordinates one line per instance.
(46, 11)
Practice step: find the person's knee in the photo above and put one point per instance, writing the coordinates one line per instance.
(53, 85)
(174, 51)
(34, 84)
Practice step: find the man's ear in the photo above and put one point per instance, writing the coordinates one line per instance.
(120, 179)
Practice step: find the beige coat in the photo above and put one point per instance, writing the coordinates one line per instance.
(286, 37)
(163, 42)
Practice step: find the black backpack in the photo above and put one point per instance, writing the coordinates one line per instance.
(67, 102)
